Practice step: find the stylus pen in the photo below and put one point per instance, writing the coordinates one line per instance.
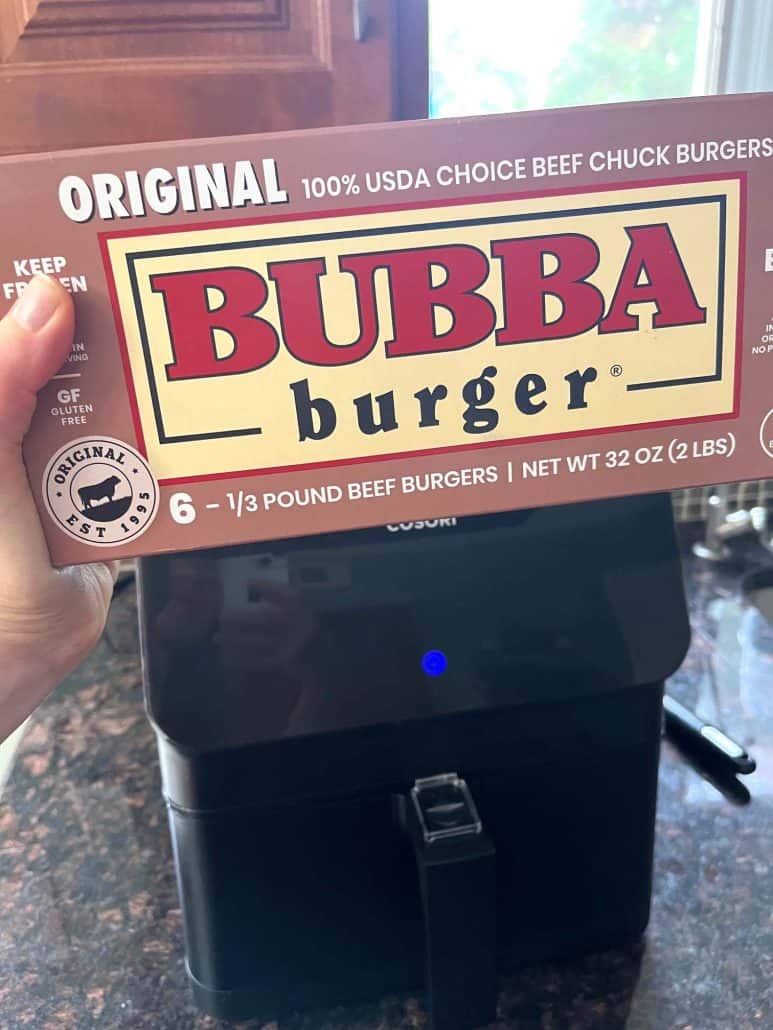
(703, 740)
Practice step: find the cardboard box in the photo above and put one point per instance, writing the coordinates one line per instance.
(315, 331)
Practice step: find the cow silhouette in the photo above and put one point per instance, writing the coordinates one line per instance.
(98, 492)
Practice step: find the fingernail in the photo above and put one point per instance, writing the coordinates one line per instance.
(36, 305)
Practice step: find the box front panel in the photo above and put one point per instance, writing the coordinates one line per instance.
(287, 343)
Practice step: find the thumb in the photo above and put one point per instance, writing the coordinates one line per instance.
(35, 338)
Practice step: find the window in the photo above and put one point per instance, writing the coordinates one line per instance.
(490, 56)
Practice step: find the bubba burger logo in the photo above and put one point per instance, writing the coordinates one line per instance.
(286, 343)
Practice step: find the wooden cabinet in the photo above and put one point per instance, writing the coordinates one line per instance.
(91, 72)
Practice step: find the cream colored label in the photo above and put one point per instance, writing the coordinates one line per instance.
(650, 330)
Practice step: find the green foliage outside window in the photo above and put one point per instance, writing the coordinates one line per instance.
(628, 50)
(562, 53)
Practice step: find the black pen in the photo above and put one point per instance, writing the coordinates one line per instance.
(703, 740)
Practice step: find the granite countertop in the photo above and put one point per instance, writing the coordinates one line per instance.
(90, 929)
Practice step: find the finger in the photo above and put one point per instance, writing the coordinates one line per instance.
(35, 337)
(96, 578)
(105, 574)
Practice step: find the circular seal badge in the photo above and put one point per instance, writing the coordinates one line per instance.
(100, 491)
(766, 434)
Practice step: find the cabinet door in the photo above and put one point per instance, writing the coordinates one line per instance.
(77, 73)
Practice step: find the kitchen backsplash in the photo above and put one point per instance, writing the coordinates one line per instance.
(692, 505)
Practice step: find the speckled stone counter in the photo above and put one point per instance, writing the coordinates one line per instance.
(90, 931)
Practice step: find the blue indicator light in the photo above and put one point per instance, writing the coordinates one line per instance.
(434, 663)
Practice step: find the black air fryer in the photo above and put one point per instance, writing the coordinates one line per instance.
(412, 755)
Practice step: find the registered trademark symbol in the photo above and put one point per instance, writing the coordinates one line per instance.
(616, 371)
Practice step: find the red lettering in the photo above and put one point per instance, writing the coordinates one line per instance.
(653, 255)
(192, 322)
(415, 299)
(302, 317)
(533, 270)
(526, 286)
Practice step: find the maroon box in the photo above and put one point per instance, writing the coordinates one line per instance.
(297, 333)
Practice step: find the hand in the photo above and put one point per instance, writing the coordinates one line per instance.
(49, 618)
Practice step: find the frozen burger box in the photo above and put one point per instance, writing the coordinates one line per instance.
(314, 331)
